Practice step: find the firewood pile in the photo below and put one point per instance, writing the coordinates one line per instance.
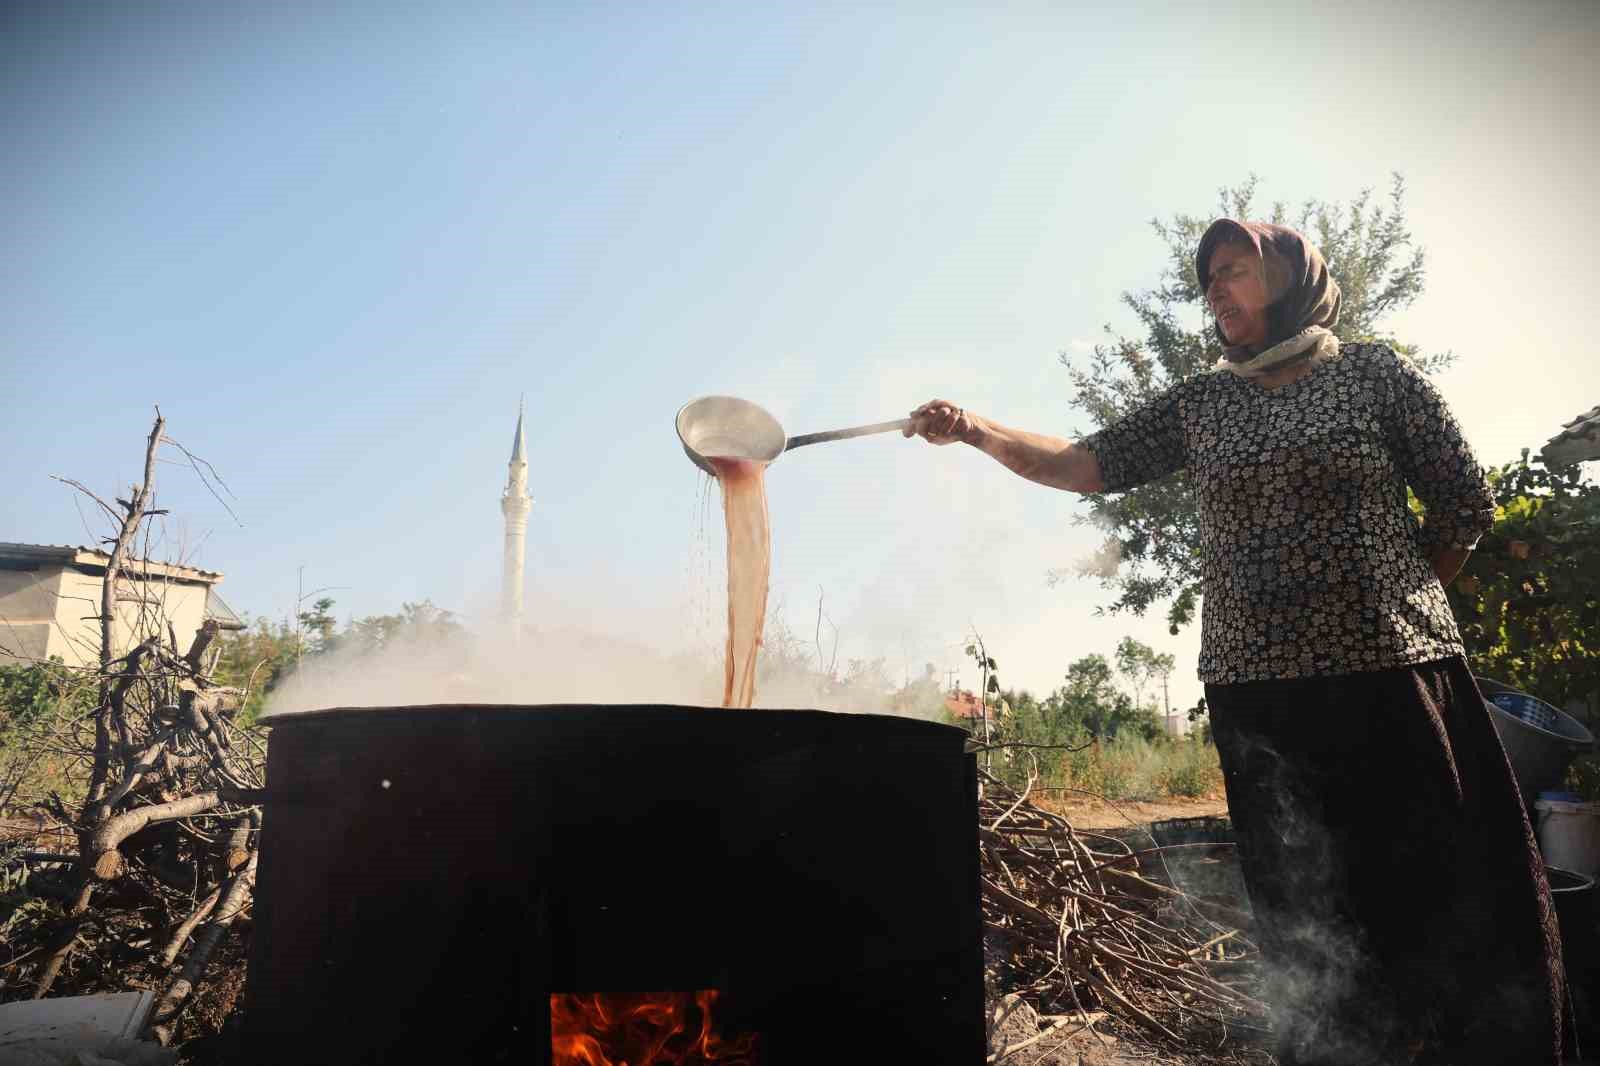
(136, 878)
(1084, 929)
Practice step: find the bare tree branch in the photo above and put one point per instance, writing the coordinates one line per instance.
(164, 1017)
(196, 462)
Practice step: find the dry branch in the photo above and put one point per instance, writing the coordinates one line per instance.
(180, 935)
(163, 1019)
(1078, 933)
(152, 748)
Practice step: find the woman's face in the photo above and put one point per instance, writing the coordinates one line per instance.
(1237, 295)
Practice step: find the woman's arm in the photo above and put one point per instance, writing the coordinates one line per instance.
(1447, 562)
(1146, 444)
(1040, 458)
(1434, 458)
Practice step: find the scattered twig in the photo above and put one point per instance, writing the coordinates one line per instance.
(1089, 936)
(150, 746)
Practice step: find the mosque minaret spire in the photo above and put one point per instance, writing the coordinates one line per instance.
(515, 503)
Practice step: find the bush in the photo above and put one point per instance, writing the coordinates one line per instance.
(1127, 767)
(1191, 769)
(39, 704)
(1583, 777)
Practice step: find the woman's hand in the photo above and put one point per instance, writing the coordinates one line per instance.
(1035, 456)
(942, 422)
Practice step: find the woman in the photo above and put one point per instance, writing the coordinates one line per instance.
(1401, 903)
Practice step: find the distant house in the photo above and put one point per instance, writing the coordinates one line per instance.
(965, 706)
(50, 602)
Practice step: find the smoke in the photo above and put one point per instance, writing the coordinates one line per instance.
(1318, 971)
(1102, 562)
(568, 665)
(542, 666)
(671, 653)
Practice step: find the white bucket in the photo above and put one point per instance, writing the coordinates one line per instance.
(1569, 835)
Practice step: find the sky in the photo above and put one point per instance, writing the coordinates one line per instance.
(336, 243)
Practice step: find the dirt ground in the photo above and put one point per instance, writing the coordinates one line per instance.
(1112, 1044)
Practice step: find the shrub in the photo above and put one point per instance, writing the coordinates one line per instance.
(1191, 769)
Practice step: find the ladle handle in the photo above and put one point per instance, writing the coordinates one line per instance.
(846, 434)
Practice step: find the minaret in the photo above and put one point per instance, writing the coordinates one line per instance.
(515, 503)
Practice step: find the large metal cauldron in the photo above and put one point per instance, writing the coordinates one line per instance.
(430, 875)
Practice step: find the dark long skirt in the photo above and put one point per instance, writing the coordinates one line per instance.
(1401, 902)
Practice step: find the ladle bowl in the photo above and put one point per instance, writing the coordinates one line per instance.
(726, 427)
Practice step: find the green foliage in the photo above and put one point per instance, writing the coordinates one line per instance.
(1528, 599)
(18, 904)
(1091, 698)
(1583, 777)
(30, 690)
(1142, 665)
(263, 655)
(1192, 769)
(1088, 706)
(420, 622)
(256, 659)
(1090, 735)
(1132, 767)
(1155, 528)
(318, 626)
(30, 693)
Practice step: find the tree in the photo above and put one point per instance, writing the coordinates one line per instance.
(1091, 699)
(1528, 599)
(421, 622)
(318, 626)
(868, 680)
(1154, 529)
(149, 748)
(1142, 664)
(922, 697)
(1028, 720)
(255, 660)
(263, 655)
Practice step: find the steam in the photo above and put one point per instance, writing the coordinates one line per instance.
(1102, 562)
(1316, 965)
(575, 666)
(542, 666)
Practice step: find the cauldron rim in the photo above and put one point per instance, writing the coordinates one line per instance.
(796, 716)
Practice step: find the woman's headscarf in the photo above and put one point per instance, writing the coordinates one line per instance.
(1303, 299)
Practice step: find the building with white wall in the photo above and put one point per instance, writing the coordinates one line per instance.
(50, 602)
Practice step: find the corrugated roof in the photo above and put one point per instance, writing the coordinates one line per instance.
(218, 610)
(78, 554)
(1578, 441)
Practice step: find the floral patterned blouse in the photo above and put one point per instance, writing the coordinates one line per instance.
(1311, 562)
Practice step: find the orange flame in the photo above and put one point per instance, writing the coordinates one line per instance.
(649, 1029)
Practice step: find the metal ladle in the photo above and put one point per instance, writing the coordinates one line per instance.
(726, 427)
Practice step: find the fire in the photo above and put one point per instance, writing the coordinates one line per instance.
(649, 1029)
